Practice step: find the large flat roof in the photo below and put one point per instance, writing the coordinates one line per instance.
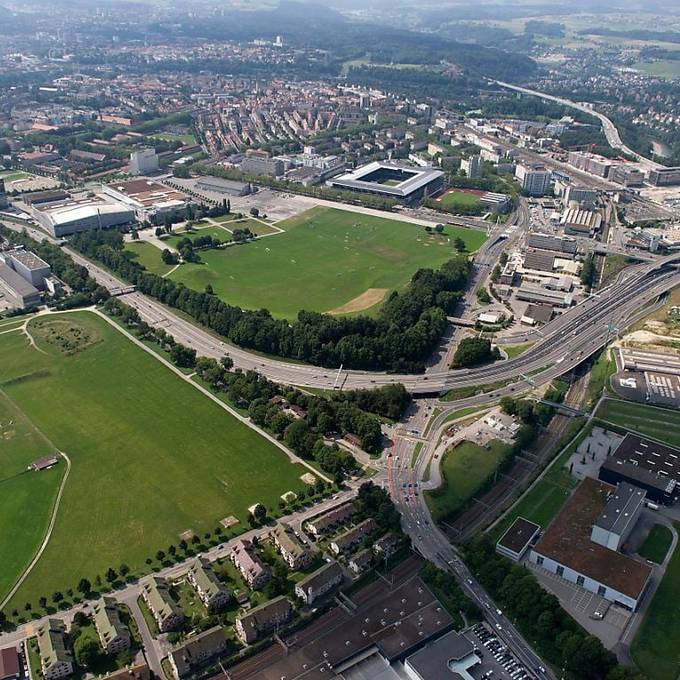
(621, 506)
(518, 535)
(417, 179)
(147, 193)
(28, 259)
(16, 282)
(567, 542)
(649, 460)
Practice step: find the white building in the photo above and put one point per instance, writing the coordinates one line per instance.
(143, 162)
(535, 179)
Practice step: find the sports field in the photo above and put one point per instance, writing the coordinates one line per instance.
(151, 456)
(148, 256)
(453, 200)
(465, 468)
(26, 497)
(325, 260)
(658, 423)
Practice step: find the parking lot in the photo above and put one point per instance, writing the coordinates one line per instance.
(582, 604)
(498, 662)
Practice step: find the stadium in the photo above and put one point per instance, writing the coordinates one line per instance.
(401, 182)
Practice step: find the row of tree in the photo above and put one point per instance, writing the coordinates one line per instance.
(557, 637)
(400, 338)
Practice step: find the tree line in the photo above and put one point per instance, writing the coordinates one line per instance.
(539, 616)
(401, 337)
(305, 422)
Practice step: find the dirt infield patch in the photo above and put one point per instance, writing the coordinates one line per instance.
(367, 299)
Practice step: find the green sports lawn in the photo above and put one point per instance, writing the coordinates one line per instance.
(151, 456)
(326, 258)
(459, 199)
(658, 423)
(148, 256)
(465, 468)
(26, 497)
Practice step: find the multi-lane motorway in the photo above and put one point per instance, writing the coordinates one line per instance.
(566, 341)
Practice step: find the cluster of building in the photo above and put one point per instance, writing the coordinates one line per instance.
(587, 543)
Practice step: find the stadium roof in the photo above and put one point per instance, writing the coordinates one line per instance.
(418, 178)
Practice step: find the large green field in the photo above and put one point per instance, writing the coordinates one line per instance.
(658, 423)
(465, 468)
(26, 497)
(326, 259)
(151, 456)
(149, 256)
(656, 647)
(459, 199)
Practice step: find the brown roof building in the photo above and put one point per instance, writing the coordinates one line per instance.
(567, 548)
(10, 668)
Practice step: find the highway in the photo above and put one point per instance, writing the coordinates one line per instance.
(566, 342)
(610, 131)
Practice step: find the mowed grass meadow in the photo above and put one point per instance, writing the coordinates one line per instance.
(26, 497)
(327, 258)
(151, 456)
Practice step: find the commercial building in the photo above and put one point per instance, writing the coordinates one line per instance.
(212, 592)
(577, 222)
(196, 651)
(580, 195)
(55, 658)
(16, 291)
(534, 178)
(219, 185)
(558, 244)
(28, 265)
(296, 555)
(254, 572)
(263, 619)
(450, 656)
(544, 296)
(350, 539)
(648, 465)
(10, 665)
(495, 202)
(517, 538)
(143, 162)
(627, 175)
(331, 520)
(260, 163)
(574, 546)
(391, 180)
(590, 163)
(150, 201)
(664, 177)
(113, 635)
(472, 166)
(71, 216)
(165, 611)
(319, 582)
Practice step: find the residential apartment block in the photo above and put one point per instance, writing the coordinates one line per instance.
(319, 582)
(296, 555)
(196, 651)
(165, 611)
(330, 521)
(263, 619)
(346, 542)
(254, 572)
(210, 589)
(113, 635)
(55, 658)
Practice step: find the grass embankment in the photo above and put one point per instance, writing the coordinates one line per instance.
(656, 647)
(465, 468)
(652, 421)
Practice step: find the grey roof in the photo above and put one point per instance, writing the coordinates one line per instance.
(325, 574)
(198, 648)
(16, 282)
(421, 177)
(432, 662)
(52, 643)
(205, 578)
(107, 620)
(28, 259)
(620, 508)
